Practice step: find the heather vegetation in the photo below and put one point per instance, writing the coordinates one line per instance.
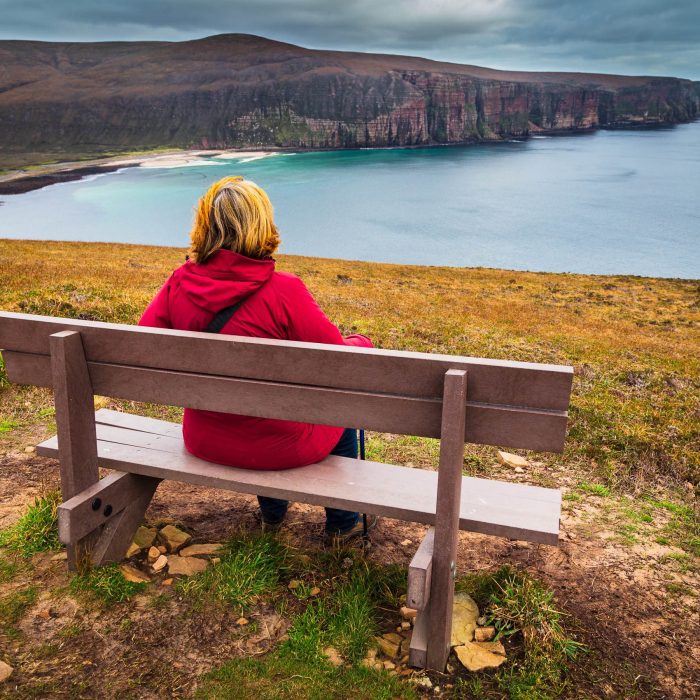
(630, 529)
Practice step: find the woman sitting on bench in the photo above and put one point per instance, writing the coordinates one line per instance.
(229, 284)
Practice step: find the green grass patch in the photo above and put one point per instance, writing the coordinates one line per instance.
(249, 567)
(106, 583)
(593, 489)
(13, 606)
(36, 530)
(282, 675)
(523, 611)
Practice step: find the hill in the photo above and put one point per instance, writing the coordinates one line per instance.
(236, 90)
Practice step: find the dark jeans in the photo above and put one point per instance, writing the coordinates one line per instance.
(273, 510)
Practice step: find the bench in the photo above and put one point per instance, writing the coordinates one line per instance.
(456, 399)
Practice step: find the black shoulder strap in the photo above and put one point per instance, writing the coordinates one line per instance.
(223, 317)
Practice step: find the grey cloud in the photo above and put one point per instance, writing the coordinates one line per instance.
(626, 36)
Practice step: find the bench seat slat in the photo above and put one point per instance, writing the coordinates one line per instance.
(489, 507)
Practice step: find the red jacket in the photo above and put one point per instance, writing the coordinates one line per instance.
(278, 305)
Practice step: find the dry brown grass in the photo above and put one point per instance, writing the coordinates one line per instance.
(635, 342)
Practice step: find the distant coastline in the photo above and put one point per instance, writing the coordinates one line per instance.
(36, 177)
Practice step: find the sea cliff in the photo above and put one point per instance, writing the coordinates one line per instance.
(244, 91)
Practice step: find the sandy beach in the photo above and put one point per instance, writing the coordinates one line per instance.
(27, 179)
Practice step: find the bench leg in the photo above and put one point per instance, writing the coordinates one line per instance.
(102, 519)
(75, 420)
(447, 519)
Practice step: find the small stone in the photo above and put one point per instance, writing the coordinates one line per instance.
(162, 549)
(484, 634)
(131, 573)
(293, 584)
(145, 536)
(369, 660)
(511, 460)
(393, 637)
(45, 613)
(29, 449)
(518, 470)
(493, 647)
(168, 582)
(423, 682)
(61, 556)
(153, 554)
(388, 648)
(333, 656)
(133, 550)
(481, 621)
(405, 625)
(160, 563)
(174, 538)
(5, 671)
(408, 613)
(215, 560)
(242, 621)
(465, 613)
(200, 550)
(475, 658)
(186, 566)
(389, 665)
(315, 590)
(406, 543)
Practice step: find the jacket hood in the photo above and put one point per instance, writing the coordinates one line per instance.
(224, 279)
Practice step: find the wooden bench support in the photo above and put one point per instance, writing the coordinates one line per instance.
(118, 533)
(77, 437)
(418, 652)
(419, 573)
(104, 504)
(449, 489)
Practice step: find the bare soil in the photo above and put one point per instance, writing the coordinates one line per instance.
(642, 640)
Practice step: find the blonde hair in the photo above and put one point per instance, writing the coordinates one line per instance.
(234, 214)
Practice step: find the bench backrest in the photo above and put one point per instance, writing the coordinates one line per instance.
(510, 404)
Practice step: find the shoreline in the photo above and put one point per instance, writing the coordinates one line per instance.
(21, 181)
(35, 177)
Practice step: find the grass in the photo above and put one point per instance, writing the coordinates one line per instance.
(36, 530)
(106, 583)
(523, 611)
(13, 607)
(250, 567)
(283, 675)
(347, 617)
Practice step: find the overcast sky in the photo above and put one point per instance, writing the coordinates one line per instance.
(649, 37)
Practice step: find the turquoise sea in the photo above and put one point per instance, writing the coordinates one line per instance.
(610, 202)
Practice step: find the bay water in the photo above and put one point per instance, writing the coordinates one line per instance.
(609, 202)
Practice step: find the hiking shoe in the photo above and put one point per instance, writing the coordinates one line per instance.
(340, 539)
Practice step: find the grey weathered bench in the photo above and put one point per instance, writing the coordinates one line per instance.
(458, 399)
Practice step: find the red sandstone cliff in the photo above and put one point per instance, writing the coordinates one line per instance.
(239, 90)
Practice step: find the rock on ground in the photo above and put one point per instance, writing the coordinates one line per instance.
(511, 460)
(186, 566)
(145, 536)
(333, 656)
(484, 634)
(174, 538)
(5, 671)
(131, 573)
(196, 550)
(475, 656)
(464, 615)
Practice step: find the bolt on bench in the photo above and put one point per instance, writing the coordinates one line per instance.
(456, 399)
